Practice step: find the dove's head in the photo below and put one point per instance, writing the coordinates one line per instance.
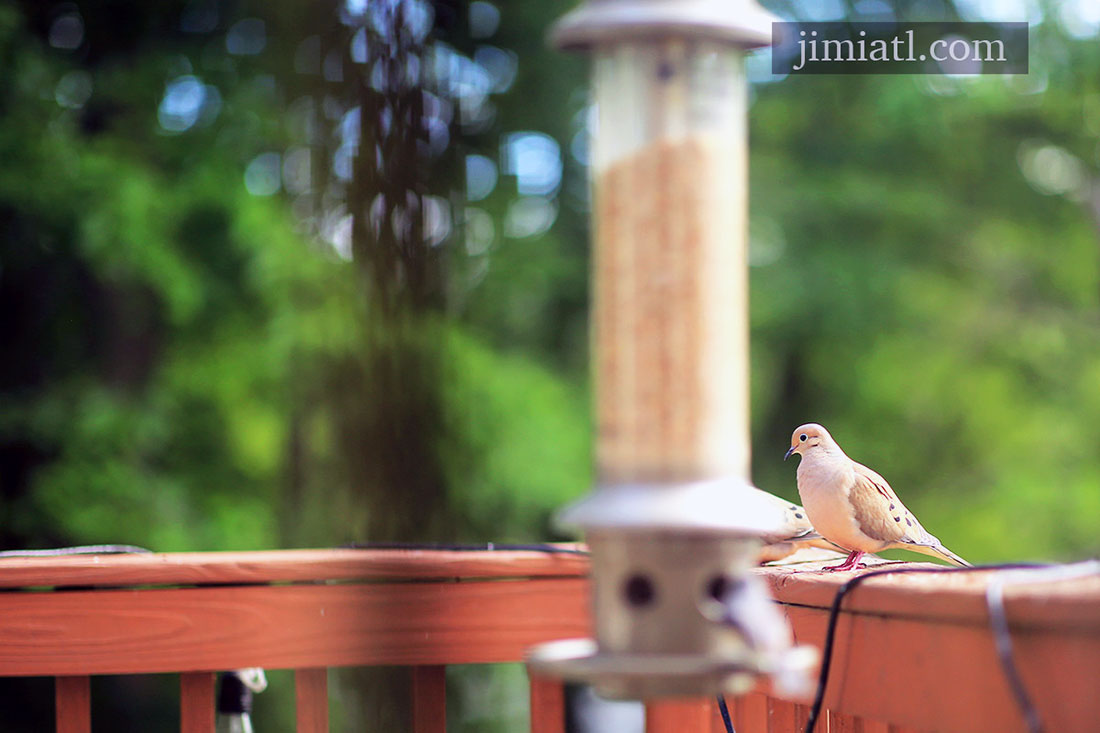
(807, 438)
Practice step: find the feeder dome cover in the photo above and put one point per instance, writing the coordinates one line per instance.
(741, 22)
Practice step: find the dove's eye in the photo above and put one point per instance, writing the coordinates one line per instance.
(802, 437)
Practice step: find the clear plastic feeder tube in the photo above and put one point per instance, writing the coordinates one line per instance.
(670, 287)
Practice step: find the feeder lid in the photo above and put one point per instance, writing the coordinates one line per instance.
(595, 22)
(728, 506)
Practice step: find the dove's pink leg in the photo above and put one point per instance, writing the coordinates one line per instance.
(850, 564)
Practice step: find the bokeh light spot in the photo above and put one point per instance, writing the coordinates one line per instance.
(246, 37)
(484, 19)
(529, 216)
(481, 177)
(263, 176)
(534, 158)
(67, 31)
(297, 170)
(480, 231)
(182, 103)
(437, 219)
(1050, 169)
(74, 89)
(499, 64)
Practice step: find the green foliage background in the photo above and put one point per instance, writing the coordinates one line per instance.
(186, 366)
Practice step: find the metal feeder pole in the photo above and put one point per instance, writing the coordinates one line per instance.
(671, 526)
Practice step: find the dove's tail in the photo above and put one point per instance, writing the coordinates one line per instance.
(938, 550)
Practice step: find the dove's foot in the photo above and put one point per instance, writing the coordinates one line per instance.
(851, 563)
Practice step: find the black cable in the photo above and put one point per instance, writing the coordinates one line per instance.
(725, 714)
(134, 549)
(834, 617)
(998, 621)
(448, 547)
(79, 550)
(488, 546)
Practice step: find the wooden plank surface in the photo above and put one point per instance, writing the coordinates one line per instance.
(73, 704)
(547, 705)
(195, 568)
(285, 627)
(197, 710)
(311, 700)
(944, 676)
(429, 699)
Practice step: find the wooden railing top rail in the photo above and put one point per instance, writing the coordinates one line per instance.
(956, 597)
(282, 566)
(130, 614)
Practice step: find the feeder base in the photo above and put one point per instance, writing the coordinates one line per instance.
(642, 676)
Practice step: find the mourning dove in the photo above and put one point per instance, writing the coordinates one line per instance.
(852, 506)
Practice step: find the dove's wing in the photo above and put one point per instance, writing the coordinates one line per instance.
(880, 513)
(881, 516)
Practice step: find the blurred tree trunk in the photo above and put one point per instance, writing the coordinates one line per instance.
(387, 398)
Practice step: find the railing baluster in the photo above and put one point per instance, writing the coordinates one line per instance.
(197, 702)
(840, 723)
(547, 705)
(311, 697)
(781, 717)
(802, 716)
(73, 701)
(429, 699)
(750, 713)
(675, 716)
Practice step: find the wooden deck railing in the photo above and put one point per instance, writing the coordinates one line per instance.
(913, 653)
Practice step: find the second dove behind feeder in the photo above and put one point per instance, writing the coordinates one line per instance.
(795, 533)
(852, 506)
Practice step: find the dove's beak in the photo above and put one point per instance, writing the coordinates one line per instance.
(789, 453)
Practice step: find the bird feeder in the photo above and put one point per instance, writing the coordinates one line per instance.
(671, 525)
